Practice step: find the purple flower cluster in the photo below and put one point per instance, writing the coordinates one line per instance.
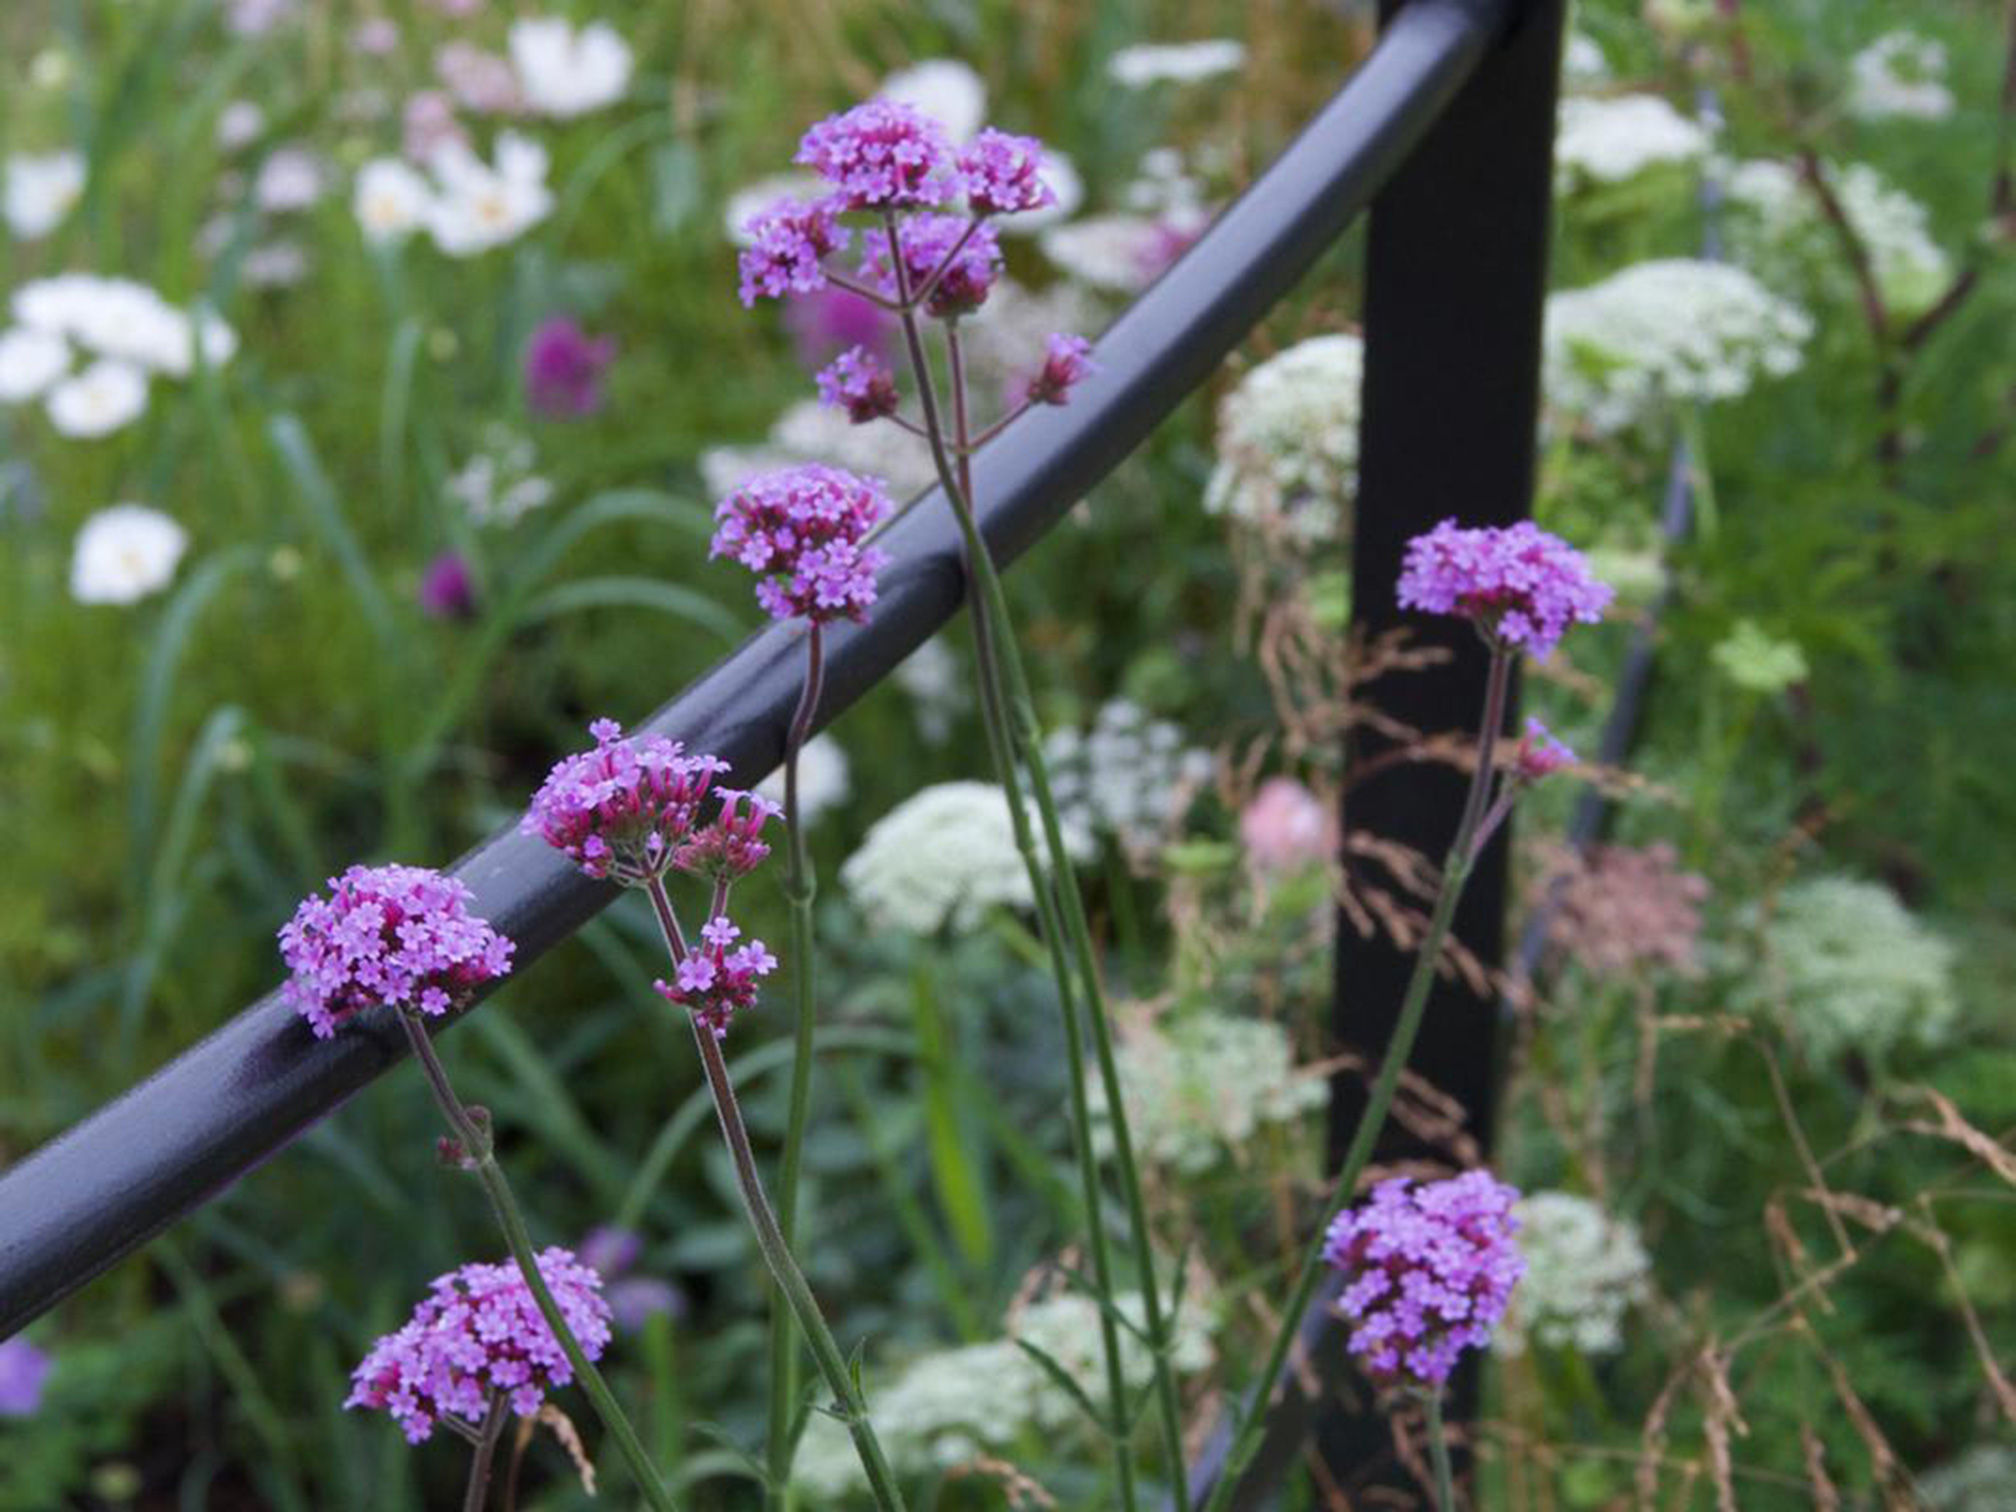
(397, 935)
(1001, 174)
(882, 155)
(1067, 362)
(733, 845)
(718, 978)
(1539, 754)
(23, 1370)
(969, 252)
(622, 810)
(1429, 1268)
(563, 369)
(1520, 585)
(788, 245)
(800, 530)
(860, 383)
(479, 1331)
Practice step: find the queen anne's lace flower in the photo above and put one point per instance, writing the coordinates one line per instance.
(1900, 74)
(1201, 1087)
(622, 810)
(944, 90)
(1666, 331)
(1605, 140)
(944, 856)
(1428, 1271)
(1782, 232)
(1584, 1271)
(800, 531)
(882, 155)
(1130, 777)
(479, 1331)
(1980, 1479)
(1520, 585)
(125, 553)
(1288, 439)
(401, 936)
(823, 779)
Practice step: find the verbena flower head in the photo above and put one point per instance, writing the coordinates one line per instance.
(622, 810)
(926, 242)
(1067, 362)
(800, 530)
(860, 383)
(1429, 1268)
(477, 1331)
(882, 155)
(1001, 174)
(1539, 754)
(564, 367)
(733, 845)
(718, 977)
(1518, 584)
(401, 936)
(787, 245)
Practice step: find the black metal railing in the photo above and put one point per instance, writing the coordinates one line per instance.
(1444, 131)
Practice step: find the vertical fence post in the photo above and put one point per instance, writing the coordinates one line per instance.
(1455, 284)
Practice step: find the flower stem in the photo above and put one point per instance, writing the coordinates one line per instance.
(770, 1240)
(800, 889)
(1455, 872)
(476, 1141)
(1438, 1452)
(486, 1450)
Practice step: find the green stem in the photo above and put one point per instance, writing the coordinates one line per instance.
(1050, 922)
(1455, 872)
(770, 1239)
(800, 889)
(1438, 1452)
(476, 1142)
(486, 1450)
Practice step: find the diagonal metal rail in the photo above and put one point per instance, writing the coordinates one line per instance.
(94, 1194)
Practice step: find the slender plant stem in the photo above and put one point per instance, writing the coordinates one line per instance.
(1455, 872)
(486, 1450)
(800, 889)
(1049, 911)
(1438, 1452)
(476, 1142)
(784, 1270)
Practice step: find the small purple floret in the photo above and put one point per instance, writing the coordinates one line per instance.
(1539, 754)
(860, 383)
(1520, 585)
(479, 1330)
(882, 155)
(563, 369)
(1067, 362)
(732, 846)
(800, 531)
(1428, 1270)
(788, 245)
(1001, 174)
(397, 935)
(927, 242)
(715, 982)
(622, 810)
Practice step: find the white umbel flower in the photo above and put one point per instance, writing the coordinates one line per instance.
(1150, 63)
(1288, 439)
(1606, 140)
(1118, 254)
(125, 553)
(945, 856)
(950, 92)
(30, 361)
(41, 189)
(1899, 74)
(1673, 329)
(1781, 229)
(107, 396)
(1584, 1271)
(390, 200)
(566, 73)
(1584, 65)
(1130, 776)
(480, 206)
(824, 779)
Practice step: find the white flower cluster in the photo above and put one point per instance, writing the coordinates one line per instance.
(1124, 252)
(1288, 440)
(467, 206)
(812, 432)
(1584, 1270)
(1148, 63)
(124, 553)
(1201, 1086)
(41, 188)
(946, 1408)
(824, 779)
(1899, 74)
(1584, 65)
(1130, 777)
(498, 484)
(1851, 969)
(1982, 1479)
(565, 73)
(1673, 329)
(1781, 223)
(944, 856)
(1605, 140)
(131, 332)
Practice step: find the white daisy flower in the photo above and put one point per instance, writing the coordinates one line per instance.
(106, 396)
(30, 361)
(565, 73)
(41, 189)
(125, 553)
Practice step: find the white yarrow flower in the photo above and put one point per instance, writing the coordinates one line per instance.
(105, 397)
(1900, 74)
(566, 73)
(30, 361)
(1149, 63)
(1584, 1271)
(950, 92)
(125, 553)
(1605, 140)
(1288, 439)
(41, 189)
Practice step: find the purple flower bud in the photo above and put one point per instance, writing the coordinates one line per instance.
(857, 382)
(1067, 362)
(1539, 754)
(23, 1371)
(446, 589)
(621, 810)
(563, 369)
